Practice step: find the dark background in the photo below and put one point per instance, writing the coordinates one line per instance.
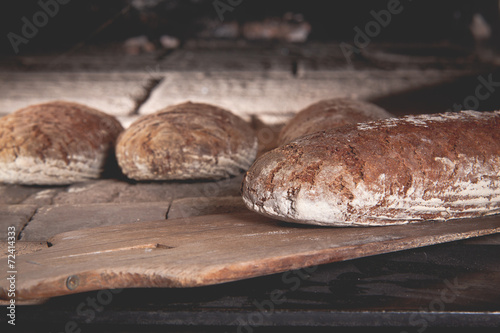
(116, 20)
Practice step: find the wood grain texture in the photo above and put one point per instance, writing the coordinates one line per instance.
(248, 93)
(227, 56)
(113, 93)
(15, 194)
(16, 216)
(211, 249)
(245, 91)
(106, 57)
(22, 248)
(187, 207)
(112, 190)
(54, 219)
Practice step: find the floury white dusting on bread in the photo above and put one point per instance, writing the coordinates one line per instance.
(392, 171)
(187, 141)
(420, 120)
(328, 114)
(55, 143)
(31, 170)
(203, 167)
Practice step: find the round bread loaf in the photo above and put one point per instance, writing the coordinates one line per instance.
(391, 171)
(329, 114)
(55, 143)
(186, 141)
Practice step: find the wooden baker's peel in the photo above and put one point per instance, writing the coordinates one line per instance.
(211, 249)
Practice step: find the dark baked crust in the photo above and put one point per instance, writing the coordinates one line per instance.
(329, 114)
(186, 141)
(55, 143)
(391, 171)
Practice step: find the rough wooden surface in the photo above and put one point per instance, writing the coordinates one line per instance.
(427, 289)
(43, 196)
(188, 207)
(14, 215)
(15, 194)
(485, 240)
(113, 93)
(112, 190)
(228, 56)
(51, 220)
(121, 191)
(109, 57)
(211, 249)
(251, 79)
(108, 202)
(248, 93)
(22, 248)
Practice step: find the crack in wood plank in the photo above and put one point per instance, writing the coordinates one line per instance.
(20, 234)
(150, 246)
(149, 87)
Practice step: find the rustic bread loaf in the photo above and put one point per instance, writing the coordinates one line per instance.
(391, 171)
(186, 141)
(329, 114)
(55, 143)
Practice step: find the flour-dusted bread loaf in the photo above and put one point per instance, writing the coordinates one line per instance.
(329, 114)
(186, 141)
(391, 171)
(55, 143)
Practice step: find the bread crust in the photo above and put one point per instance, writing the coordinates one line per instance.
(391, 171)
(329, 114)
(55, 143)
(186, 141)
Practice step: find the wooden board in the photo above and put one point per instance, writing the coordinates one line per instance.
(55, 219)
(113, 93)
(15, 215)
(211, 249)
(248, 93)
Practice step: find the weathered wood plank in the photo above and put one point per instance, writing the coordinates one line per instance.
(253, 93)
(15, 194)
(485, 240)
(244, 93)
(188, 207)
(109, 57)
(51, 220)
(385, 290)
(16, 216)
(113, 93)
(212, 249)
(43, 197)
(95, 191)
(452, 94)
(120, 191)
(225, 56)
(22, 247)
(319, 56)
(229, 55)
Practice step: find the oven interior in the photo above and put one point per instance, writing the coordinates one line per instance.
(264, 60)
